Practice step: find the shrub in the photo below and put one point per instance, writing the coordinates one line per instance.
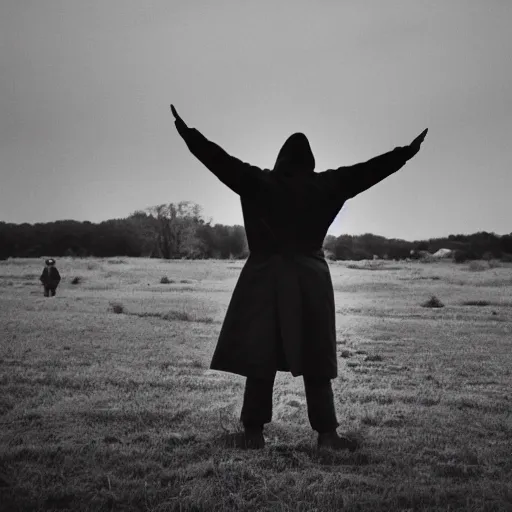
(116, 307)
(433, 302)
(506, 257)
(76, 280)
(165, 280)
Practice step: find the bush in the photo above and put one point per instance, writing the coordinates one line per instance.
(76, 280)
(116, 307)
(433, 302)
(506, 257)
(165, 280)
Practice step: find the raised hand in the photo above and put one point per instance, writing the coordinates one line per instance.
(414, 146)
(175, 114)
(179, 123)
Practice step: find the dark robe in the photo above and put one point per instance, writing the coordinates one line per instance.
(50, 277)
(282, 315)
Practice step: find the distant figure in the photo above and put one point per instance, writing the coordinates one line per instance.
(50, 278)
(282, 315)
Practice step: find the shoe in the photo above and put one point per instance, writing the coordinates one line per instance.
(250, 439)
(335, 442)
(254, 438)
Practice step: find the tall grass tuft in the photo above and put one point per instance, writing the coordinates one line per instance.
(476, 303)
(433, 302)
(116, 261)
(476, 266)
(181, 316)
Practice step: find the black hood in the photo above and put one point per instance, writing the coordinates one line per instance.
(295, 157)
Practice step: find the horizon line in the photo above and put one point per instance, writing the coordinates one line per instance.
(231, 225)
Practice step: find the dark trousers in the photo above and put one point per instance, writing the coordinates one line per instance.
(49, 290)
(257, 407)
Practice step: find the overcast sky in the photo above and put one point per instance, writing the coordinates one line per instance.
(85, 87)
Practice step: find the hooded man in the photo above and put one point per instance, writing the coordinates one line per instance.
(50, 278)
(281, 316)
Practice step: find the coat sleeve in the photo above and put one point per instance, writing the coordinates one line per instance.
(352, 180)
(43, 277)
(242, 178)
(57, 276)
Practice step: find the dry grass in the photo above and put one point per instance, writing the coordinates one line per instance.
(373, 265)
(103, 411)
(478, 266)
(477, 303)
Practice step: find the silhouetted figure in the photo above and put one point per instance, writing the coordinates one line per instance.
(282, 316)
(50, 278)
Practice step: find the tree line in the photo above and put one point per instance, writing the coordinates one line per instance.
(480, 245)
(173, 231)
(168, 231)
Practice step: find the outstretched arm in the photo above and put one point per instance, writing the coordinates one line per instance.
(352, 180)
(242, 178)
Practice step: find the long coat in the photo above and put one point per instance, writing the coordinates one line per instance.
(50, 277)
(282, 315)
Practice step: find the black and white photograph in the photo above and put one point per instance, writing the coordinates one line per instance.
(255, 256)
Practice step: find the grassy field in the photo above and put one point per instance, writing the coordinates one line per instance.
(107, 402)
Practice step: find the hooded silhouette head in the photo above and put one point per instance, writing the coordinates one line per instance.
(295, 157)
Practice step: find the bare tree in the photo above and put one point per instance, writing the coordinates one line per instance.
(174, 228)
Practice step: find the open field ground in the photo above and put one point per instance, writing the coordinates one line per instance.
(107, 402)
